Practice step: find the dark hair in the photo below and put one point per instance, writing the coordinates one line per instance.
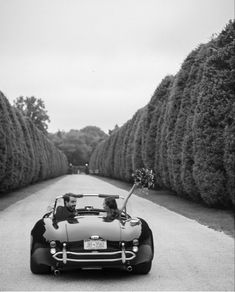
(112, 204)
(67, 196)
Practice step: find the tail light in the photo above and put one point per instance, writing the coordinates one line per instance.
(52, 244)
(136, 242)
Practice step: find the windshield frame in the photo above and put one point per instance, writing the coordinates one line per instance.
(79, 196)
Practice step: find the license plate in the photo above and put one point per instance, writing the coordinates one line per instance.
(95, 244)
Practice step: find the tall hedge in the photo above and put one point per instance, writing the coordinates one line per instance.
(186, 133)
(229, 154)
(126, 134)
(138, 143)
(26, 154)
(186, 172)
(151, 123)
(215, 100)
(158, 143)
(182, 98)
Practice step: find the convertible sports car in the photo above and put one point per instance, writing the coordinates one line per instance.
(89, 241)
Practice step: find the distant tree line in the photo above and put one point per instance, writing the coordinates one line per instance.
(186, 133)
(26, 154)
(78, 145)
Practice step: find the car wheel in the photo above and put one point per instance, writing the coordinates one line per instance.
(143, 268)
(37, 268)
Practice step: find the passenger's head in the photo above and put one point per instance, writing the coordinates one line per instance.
(70, 201)
(110, 204)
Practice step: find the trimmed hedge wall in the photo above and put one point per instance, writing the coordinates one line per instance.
(26, 154)
(186, 133)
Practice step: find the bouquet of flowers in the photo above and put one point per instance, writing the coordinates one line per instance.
(144, 178)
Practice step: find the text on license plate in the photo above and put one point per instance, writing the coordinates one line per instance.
(95, 244)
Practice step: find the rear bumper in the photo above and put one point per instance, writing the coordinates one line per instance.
(94, 257)
(65, 259)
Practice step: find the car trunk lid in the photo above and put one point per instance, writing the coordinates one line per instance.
(86, 227)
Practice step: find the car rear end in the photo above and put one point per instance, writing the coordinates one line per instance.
(94, 243)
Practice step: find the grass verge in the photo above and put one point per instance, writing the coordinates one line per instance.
(217, 219)
(7, 199)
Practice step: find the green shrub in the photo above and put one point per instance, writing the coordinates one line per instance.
(26, 154)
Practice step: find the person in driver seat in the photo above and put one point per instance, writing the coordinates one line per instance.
(110, 206)
(68, 210)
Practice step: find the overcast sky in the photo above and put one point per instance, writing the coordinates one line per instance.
(96, 62)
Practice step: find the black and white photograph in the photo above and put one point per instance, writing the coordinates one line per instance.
(117, 145)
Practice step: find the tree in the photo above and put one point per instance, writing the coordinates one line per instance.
(229, 156)
(154, 148)
(188, 181)
(78, 145)
(184, 93)
(114, 129)
(211, 123)
(130, 147)
(187, 131)
(5, 145)
(152, 125)
(26, 154)
(137, 149)
(34, 108)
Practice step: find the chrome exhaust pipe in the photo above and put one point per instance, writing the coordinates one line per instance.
(56, 272)
(129, 268)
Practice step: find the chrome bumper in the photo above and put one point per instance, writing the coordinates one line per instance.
(122, 255)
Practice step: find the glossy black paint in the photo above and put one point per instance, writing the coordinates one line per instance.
(83, 227)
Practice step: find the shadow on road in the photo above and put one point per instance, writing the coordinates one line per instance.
(105, 275)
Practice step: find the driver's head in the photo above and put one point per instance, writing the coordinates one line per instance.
(70, 201)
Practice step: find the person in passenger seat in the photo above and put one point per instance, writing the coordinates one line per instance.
(110, 206)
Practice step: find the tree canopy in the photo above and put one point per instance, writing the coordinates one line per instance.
(78, 145)
(34, 108)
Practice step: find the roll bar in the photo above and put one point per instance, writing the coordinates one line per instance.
(92, 195)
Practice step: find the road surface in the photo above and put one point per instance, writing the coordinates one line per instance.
(188, 256)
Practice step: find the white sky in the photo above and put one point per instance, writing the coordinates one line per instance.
(96, 62)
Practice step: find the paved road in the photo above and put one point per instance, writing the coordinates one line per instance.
(188, 256)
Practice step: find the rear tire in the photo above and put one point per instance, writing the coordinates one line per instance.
(143, 268)
(37, 268)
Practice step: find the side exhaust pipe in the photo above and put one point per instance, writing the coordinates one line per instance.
(129, 268)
